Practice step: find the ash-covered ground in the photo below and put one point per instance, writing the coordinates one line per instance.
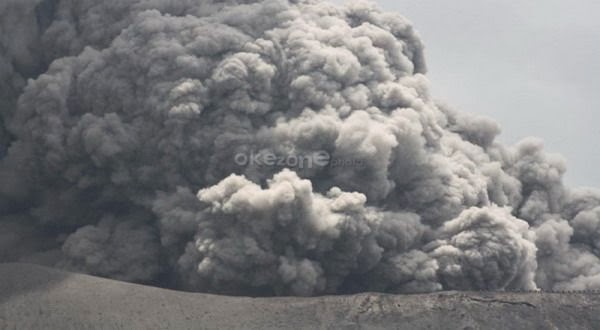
(34, 297)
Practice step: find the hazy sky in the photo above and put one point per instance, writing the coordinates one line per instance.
(534, 66)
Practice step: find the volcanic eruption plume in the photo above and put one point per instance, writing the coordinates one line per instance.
(266, 147)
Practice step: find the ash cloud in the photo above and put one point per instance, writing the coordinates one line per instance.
(121, 122)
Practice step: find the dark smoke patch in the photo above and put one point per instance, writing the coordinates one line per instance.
(123, 124)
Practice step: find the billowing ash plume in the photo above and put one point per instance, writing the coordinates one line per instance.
(131, 129)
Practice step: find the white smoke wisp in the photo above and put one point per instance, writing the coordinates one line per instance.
(123, 124)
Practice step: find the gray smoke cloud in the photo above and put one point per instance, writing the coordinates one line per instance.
(123, 122)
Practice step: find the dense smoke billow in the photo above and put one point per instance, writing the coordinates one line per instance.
(266, 147)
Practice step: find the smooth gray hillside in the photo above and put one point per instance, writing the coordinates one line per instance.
(35, 297)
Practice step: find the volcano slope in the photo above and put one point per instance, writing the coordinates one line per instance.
(36, 297)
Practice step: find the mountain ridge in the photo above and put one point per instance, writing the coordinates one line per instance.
(36, 297)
